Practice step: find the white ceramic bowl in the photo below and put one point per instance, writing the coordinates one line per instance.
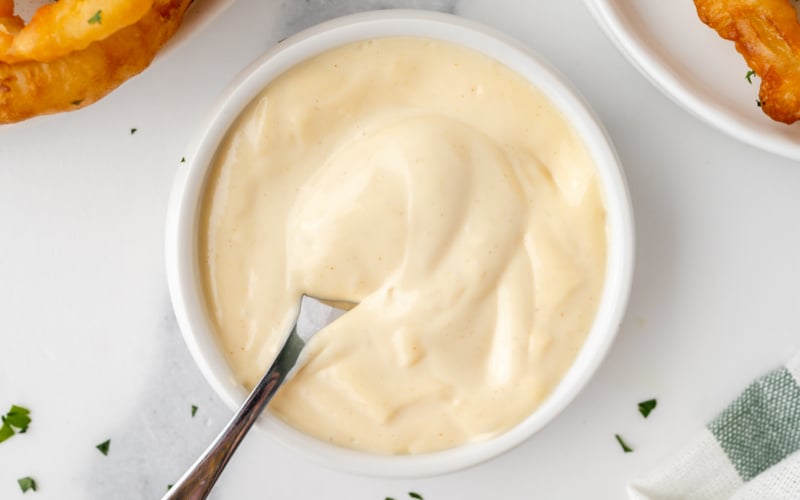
(182, 223)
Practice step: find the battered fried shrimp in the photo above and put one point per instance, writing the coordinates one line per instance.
(91, 63)
(767, 34)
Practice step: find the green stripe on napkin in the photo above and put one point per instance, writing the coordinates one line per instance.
(749, 451)
(762, 426)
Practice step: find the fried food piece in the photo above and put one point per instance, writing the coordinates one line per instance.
(81, 77)
(68, 25)
(767, 34)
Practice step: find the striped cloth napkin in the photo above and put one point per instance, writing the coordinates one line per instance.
(750, 451)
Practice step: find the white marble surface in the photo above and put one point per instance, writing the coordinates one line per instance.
(89, 344)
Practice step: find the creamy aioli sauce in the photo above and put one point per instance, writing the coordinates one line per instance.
(447, 197)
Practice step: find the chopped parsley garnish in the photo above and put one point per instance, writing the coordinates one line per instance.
(415, 495)
(750, 74)
(133, 130)
(759, 103)
(26, 483)
(387, 498)
(645, 407)
(97, 18)
(17, 418)
(183, 159)
(194, 410)
(104, 446)
(625, 447)
(169, 487)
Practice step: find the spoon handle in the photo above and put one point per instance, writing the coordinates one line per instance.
(197, 482)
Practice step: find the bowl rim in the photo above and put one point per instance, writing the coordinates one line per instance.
(182, 219)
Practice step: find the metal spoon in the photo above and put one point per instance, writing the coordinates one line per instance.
(197, 482)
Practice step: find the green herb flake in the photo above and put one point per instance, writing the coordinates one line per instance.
(389, 498)
(97, 18)
(169, 487)
(625, 447)
(194, 410)
(104, 446)
(18, 417)
(413, 494)
(133, 130)
(759, 103)
(16, 420)
(750, 74)
(645, 407)
(26, 483)
(76, 102)
(183, 159)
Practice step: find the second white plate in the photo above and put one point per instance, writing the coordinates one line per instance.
(690, 63)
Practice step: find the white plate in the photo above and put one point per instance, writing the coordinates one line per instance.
(690, 63)
(199, 15)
